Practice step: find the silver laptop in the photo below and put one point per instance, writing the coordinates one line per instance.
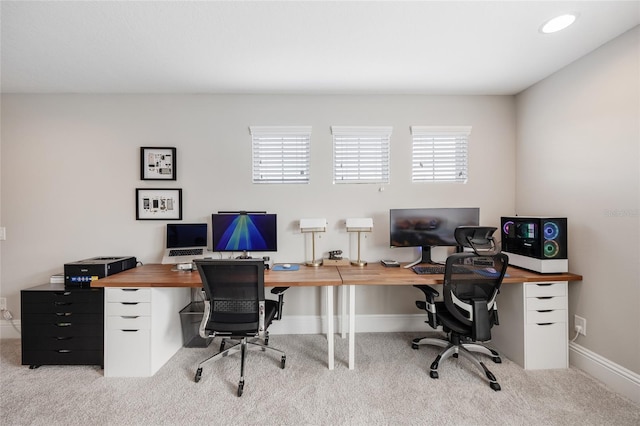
(185, 242)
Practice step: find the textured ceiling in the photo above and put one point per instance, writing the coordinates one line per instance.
(357, 47)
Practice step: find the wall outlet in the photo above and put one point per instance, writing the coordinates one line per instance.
(580, 322)
(3, 303)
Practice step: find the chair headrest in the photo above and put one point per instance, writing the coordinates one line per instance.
(475, 237)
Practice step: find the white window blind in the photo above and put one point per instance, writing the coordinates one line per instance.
(361, 154)
(440, 154)
(280, 154)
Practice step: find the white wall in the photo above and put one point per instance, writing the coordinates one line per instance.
(70, 167)
(578, 156)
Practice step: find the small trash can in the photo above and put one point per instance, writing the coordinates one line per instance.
(190, 318)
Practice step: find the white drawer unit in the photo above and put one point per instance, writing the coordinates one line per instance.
(142, 329)
(533, 330)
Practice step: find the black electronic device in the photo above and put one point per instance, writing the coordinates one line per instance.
(83, 272)
(429, 227)
(536, 243)
(390, 263)
(244, 231)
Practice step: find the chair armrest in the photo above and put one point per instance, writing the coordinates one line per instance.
(429, 304)
(280, 292)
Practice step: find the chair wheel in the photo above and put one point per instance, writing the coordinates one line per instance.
(414, 346)
(455, 355)
(283, 361)
(495, 386)
(433, 374)
(198, 375)
(497, 359)
(222, 345)
(240, 388)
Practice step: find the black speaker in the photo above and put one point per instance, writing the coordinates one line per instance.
(537, 237)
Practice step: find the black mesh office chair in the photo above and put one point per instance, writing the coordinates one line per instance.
(471, 283)
(236, 309)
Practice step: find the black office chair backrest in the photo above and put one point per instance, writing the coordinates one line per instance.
(235, 289)
(472, 281)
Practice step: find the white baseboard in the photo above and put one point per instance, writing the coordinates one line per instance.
(618, 378)
(7, 331)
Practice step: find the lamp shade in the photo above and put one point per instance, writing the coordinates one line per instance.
(313, 225)
(359, 224)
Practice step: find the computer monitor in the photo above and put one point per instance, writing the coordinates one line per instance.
(429, 227)
(244, 231)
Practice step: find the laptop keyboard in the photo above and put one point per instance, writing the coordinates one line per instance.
(185, 252)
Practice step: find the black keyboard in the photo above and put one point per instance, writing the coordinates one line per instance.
(438, 269)
(185, 252)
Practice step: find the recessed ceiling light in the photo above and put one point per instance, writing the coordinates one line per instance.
(558, 23)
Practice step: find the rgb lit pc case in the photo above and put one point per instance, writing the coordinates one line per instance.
(536, 243)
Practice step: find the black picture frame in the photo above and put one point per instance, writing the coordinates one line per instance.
(158, 163)
(158, 203)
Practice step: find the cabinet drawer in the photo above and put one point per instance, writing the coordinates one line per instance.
(547, 317)
(546, 303)
(87, 343)
(61, 329)
(56, 317)
(128, 309)
(127, 353)
(62, 306)
(62, 357)
(129, 323)
(546, 346)
(75, 295)
(546, 289)
(128, 295)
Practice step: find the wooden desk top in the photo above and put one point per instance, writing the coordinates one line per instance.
(376, 274)
(155, 275)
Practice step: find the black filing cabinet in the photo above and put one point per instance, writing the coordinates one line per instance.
(62, 325)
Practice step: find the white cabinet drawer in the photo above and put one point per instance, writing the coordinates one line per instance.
(128, 309)
(129, 323)
(546, 317)
(546, 303)
(546, 346)
(128, 294)
(127, 353)
(546, 289)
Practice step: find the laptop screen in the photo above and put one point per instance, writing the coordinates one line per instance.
(186, 235)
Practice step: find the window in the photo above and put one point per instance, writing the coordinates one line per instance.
(280, 154)
(361, 154)
(440, 154)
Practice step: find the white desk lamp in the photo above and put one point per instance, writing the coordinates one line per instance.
(359, 225)
(313, 226)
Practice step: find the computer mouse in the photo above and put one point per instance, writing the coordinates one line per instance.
(286, 265)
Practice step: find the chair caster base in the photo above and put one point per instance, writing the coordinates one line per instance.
(283, 361)
(497, 359)
(240, 388)
(433, 374)
(198, 375)
(495, 386)
(414, 346)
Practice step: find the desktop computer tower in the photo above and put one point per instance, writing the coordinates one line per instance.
(536, 243)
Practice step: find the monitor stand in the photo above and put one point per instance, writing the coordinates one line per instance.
(425, 257)
(244, 255)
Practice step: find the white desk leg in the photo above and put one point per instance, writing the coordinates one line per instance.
(343, 315)
(330, 357)
(352, 327)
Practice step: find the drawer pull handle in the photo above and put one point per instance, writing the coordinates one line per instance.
(62, 293)
(544, 298)
(64, 351)
(545, 323)
(130, 331)
(64, 314)
(544, 284)
(63, 338)
(130, 316)
(62, 303)
(63, 324)
(546, 310)
(130, 289)
(129, 303)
